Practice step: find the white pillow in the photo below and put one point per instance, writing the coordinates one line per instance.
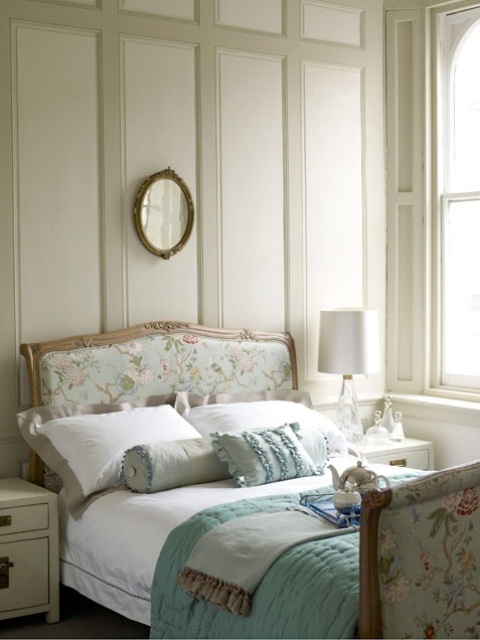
(86, 450)
(240, 416)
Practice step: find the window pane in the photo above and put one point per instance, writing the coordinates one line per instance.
(461, 302)
(466, 115)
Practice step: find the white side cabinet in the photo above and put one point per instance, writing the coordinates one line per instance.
(28, 550)
(417, 454)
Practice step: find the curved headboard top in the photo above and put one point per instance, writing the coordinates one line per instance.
(157, 358)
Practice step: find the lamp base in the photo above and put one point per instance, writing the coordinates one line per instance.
(348, 416)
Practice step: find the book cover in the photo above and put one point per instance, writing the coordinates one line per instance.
(328, 511)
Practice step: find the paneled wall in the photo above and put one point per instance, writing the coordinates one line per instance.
(272, 113)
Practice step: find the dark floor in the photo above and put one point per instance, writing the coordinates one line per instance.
(79, 618)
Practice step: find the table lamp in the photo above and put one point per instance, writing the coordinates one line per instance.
(349, 344)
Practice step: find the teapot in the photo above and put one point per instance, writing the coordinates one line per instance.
(353, 482)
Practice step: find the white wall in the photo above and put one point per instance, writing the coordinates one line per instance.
(272, 113)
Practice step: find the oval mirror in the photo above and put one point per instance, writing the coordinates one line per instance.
(164, 213)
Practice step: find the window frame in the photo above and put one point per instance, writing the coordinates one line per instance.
(440, 195)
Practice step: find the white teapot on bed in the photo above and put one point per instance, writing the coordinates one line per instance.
(353, 482)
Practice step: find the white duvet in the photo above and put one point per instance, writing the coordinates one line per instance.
(110, 553)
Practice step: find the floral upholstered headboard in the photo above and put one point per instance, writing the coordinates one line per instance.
(157, 358)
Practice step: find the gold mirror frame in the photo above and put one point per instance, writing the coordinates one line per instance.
(146, 191)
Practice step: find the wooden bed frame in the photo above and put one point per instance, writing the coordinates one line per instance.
(409, 507)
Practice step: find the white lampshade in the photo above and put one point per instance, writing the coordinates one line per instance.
(349, 341)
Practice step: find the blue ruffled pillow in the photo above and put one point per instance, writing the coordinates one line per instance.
(257, 457)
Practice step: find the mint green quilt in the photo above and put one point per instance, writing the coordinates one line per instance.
(311, 591)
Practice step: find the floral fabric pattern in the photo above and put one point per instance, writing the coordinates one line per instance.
(429, 553)
(160, 364)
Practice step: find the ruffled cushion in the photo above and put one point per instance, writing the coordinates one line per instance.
(257, 457)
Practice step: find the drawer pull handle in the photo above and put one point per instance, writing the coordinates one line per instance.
(400, 462)
(5, 521)
(5, 565)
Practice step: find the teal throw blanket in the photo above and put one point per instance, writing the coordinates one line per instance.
(310, 591)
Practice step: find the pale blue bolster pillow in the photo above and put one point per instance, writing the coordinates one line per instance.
(159, 466)
(257, 457)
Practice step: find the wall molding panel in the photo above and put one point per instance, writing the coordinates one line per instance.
(257, 123)
(57, 153)
(55, 135)
(184, 10)
(334, 152)
(251, 15)
(332, 23)
(168, 108)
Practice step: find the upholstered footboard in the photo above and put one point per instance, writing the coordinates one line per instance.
(419, 558)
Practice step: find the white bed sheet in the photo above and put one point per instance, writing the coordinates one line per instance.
(110, 553)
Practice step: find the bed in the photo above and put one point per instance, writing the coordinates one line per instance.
(121, 427)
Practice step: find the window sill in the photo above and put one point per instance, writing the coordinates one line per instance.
(436, 408)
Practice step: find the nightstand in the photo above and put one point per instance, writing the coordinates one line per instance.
(417, 454)
(28, 550)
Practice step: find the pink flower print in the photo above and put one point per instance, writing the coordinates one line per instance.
(132, 372)
(429, 631)
(61, 361)
(243, 361)
(75, 376)
(246, 363)
(164, 364)
(189, 339)
(234, 351)
(141, 377)
(468, 503)
(134, 348)
(145, 377)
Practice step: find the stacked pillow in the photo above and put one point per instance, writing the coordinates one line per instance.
(254, 438)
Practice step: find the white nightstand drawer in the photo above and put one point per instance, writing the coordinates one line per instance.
(19, 519)
(416, 454)
(28, 577)
(413, 459)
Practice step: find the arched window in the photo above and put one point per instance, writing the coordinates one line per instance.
(458, 163)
